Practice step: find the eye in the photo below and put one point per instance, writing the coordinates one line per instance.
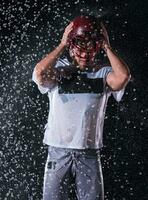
(85, 44)
(90, 43)
(80, 43)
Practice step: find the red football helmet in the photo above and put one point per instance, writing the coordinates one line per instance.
(86, 34)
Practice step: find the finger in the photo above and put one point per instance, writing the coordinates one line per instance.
(69, 28)
(102, 26)
(70, 25)
(104, 31)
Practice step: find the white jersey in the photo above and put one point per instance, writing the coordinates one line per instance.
(77, 108)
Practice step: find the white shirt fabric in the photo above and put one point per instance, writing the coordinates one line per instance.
(76, 120)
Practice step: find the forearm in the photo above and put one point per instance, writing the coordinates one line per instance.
(50, 60)
(120, 75)
(45, 69)
(119, 67)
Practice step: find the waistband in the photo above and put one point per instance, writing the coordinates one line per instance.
(71, 150)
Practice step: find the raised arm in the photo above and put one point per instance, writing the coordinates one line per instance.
(45, 69)
(120, 75)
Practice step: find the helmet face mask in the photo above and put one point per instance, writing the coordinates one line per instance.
(86, 35)
(84, 44)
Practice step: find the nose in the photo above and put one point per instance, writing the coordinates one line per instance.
(85, 54)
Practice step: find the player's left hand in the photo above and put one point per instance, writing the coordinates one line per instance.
(105, 42)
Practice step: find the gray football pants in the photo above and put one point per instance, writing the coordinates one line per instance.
(73, 174)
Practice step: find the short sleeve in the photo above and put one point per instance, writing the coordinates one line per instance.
(49, 87)
(103, 72)
(116, 94)
(42, 89)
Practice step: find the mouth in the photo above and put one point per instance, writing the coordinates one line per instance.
(82, 58)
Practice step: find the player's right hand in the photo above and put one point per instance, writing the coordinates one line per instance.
(68, 29)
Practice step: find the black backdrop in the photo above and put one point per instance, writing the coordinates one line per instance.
(30, 29)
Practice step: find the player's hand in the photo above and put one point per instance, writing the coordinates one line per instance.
(105, 42)
(68, 29)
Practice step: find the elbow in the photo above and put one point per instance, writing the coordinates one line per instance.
(126, 78)
(125, 81)
(43, 76)
(38, 74)
(38, 69)
(121, 82)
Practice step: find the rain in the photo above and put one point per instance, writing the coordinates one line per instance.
(30, 30)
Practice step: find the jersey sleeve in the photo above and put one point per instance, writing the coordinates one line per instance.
(116, 94)
(49, 87)
(42, 89)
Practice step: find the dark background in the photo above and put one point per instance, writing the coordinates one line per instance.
(30, 29)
